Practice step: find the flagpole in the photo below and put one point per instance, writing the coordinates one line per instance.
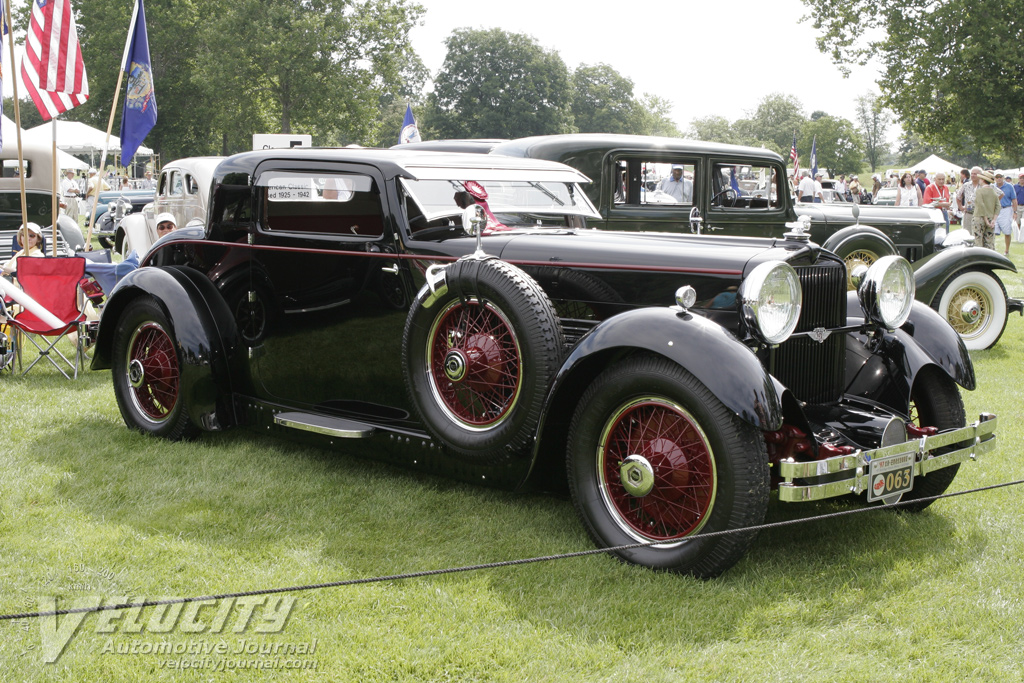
(17, 121)
(56, 188)
(103, 158)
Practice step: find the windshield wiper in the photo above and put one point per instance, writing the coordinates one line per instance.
(549, 193)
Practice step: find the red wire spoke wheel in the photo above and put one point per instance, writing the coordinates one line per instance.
(654, 457)
(148, 373)
(153, 373)
(479, 352)
(657, 470)
(475, 363)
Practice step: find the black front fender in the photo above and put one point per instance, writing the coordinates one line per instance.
(883, 369)
(202, 327)
(933, 271)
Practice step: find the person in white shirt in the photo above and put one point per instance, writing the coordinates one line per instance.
(805, 190)
(147, 183)
(819, 195)
(69, 195)
(676, 185)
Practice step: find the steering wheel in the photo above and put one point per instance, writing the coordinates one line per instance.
(726, 197)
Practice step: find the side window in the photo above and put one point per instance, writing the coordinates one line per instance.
(334, 204)
(653, 182)
(176, 188)
(191, 186)
(745, 186)
(164, 185)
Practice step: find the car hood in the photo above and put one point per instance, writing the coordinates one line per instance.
(870, 214)
(646, 251)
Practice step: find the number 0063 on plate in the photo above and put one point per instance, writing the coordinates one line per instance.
(890, 476)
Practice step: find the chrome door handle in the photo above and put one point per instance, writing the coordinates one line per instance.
(393, 269)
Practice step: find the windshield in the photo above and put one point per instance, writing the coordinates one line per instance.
(436, 198)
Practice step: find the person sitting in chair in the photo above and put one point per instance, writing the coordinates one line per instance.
(31, 235)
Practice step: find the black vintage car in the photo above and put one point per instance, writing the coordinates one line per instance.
(743, 191)
(457, 309)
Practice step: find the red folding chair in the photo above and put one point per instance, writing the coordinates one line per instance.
(53, 283)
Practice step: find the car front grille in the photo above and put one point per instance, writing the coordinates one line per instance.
(814, 371)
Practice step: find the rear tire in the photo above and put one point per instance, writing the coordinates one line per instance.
(655, 456)
(146, 369)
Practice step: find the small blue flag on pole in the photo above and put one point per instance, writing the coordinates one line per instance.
(139, 115)
(814, 157)
(410, 133)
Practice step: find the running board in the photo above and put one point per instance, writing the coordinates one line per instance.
(321, 424)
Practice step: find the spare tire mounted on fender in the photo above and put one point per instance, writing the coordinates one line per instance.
(479, 355)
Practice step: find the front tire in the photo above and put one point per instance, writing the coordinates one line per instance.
(655, 456)
(935, 401)
(146, 369)
(974, 303)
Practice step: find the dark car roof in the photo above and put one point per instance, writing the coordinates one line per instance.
(391, 162)
(562, 146)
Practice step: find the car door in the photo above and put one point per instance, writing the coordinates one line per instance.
(327, 325)
(640, 190)
(745, 198)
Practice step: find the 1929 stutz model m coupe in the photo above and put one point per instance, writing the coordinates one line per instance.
(458, 307)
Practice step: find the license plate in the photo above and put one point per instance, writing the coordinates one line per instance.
(890, 477)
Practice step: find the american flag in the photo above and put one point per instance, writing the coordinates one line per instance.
(794, 157)
(52, 69)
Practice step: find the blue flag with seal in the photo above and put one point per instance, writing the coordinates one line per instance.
(139, 115)
(410, 133)
(814, 157)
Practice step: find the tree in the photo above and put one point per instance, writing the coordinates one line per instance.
(951, 70)
(603, 101)
(711, 129)
(495, 84)
(873, 119)
(315, 66)
(839, 147)
(774, 121)
(654, 117)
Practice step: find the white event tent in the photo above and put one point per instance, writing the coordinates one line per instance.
(933, 164)
(9, 129)
(77, 137)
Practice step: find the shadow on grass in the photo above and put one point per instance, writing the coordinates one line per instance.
(246, 494)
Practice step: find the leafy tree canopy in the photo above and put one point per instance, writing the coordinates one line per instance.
(496, 84)
(951, 70)
(839, 146)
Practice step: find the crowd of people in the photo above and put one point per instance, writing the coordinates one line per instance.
(999, 211)
(78, 192)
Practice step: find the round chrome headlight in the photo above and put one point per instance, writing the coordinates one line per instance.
(887, 292)
(770, 298)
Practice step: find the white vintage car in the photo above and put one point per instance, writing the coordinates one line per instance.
(182, 190)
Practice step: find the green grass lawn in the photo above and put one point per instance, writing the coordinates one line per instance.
(88, 508)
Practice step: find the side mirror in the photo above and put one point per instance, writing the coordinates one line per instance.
(856, 214)
(695, 220)
(473, 220)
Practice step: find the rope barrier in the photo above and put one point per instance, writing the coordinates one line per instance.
(494, 565)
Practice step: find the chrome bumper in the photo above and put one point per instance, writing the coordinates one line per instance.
(849, 473)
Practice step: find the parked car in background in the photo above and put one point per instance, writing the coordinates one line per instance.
(456, 308)
(741, 191)
(114, 205)
(182, 190)
(38, 201)
(886, 197)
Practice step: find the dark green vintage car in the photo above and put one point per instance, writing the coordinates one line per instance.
(732, 190)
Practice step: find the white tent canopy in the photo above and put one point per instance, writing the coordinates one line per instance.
(9, 129)
(934, 164)
(75, 136)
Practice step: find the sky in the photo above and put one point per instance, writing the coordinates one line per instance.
(704, 57)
